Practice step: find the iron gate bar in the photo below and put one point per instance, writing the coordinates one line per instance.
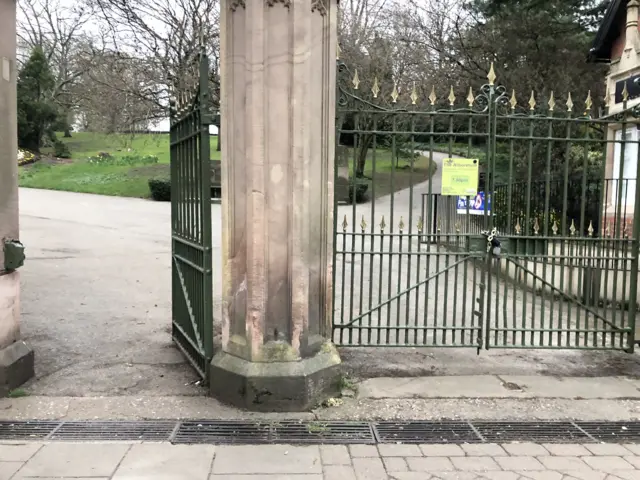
(413, 287)
(564, 294)
(191, 246)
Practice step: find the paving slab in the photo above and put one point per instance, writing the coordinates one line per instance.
(476, 386)
(177, 407)
(8, 469)
(268, 459)
(75, 460)
(506, 386)
(18, 451)
(573, 387)
(269, 477)
(163, 461)
(34, 408)
(160, 461)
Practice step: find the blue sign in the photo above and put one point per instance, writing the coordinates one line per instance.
(476, 205)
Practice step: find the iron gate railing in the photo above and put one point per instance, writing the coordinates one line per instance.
(191, 266)
(566, 275)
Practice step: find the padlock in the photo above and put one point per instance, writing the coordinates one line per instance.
(495, 246)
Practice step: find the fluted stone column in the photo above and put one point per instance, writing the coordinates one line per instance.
(278, 115)
(16, 358)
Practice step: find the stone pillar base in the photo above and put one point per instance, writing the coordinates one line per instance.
(276, 386)
(16, 366)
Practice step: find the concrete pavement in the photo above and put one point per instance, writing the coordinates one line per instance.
(160, 461)
(468, 397)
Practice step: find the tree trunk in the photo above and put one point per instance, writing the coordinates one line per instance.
(68, 120)
(363, 151)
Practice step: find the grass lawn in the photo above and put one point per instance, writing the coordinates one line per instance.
(78, 175)
(392, 175)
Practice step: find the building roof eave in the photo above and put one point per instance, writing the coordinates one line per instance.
(600, 51)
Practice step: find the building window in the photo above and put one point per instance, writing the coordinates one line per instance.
(629, 167)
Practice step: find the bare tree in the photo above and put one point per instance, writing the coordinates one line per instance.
(129, 84)
(379, 64)
(169, 33)
(59, 29)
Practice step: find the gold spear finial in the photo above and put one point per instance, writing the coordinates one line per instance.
(452, 97)
(363, 224)
(395, 95)
(552, 102)
(588, 103)
(513, 102)
(356, 80)
(532, 101)
(432, 96)
(471, 98)
(414, 94)
(376, 88)
(569, 103)
(491, 76)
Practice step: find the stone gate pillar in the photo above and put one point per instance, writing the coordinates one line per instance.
(278, 123)
(16, 359)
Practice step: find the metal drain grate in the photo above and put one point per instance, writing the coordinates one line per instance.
(425, 432)
(223, 432)
(319, 432)
(26, 430)
(613, 432)
(322, 432)
(114, 430)
(544, 432)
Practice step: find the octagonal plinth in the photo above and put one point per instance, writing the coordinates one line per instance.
(276, 386)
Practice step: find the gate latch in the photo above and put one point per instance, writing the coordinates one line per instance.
(13, 254)
(493, 243)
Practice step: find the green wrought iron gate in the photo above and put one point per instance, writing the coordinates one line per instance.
(191, 267)
(414, 267)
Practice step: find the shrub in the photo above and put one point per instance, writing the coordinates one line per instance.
(361, 186)
(61, 150)
(160, 189)
(344, 189)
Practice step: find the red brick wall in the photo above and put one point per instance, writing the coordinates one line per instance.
(618, 45)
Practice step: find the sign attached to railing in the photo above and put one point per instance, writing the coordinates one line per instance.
(475, 205)
(460, 176)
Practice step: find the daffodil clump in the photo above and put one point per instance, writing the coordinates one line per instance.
(25, 157)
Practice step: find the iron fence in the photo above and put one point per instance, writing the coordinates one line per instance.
(562, 272)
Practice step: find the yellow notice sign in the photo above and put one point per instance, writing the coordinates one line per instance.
(460, 177)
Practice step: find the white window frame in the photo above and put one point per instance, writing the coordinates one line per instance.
(629, 168)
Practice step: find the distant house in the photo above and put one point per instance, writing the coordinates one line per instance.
(162, 126)
(617, 44)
